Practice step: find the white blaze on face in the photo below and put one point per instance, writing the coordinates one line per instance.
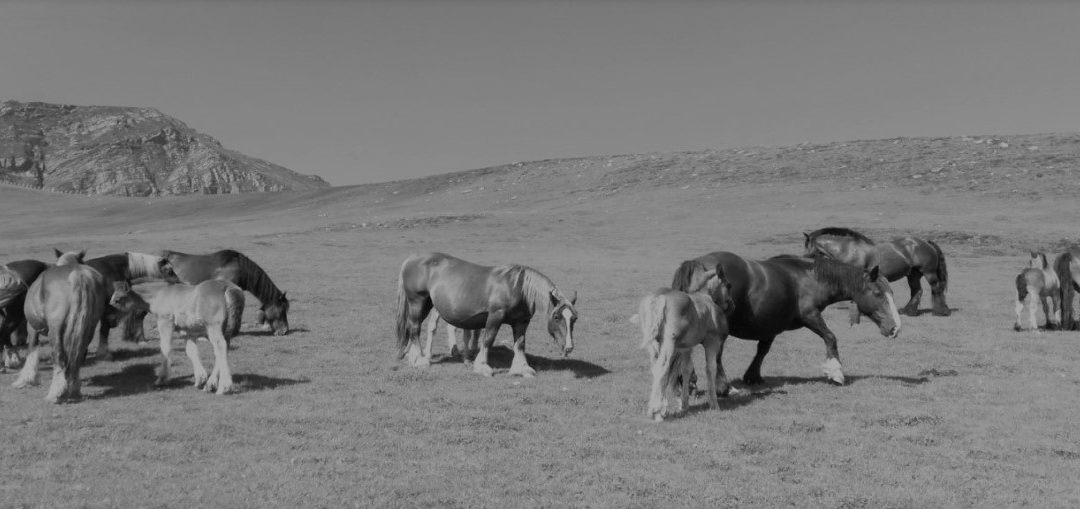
(567, 315)
(893, 311)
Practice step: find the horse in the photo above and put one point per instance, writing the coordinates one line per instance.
(15, 279)
(1067, 268)
(127, 267)
(471, 337)
(909, 257)
(789, 292)
(1036, 284)
(210, 307)
(66, 301)
(237, 268)
(470, 296)
(672, 323)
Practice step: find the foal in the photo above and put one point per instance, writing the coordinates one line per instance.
(672, 324)
(211, 307)
(1035, 284)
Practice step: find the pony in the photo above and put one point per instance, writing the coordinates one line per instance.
(470, 338)
(1036, 284)
(127, 267)
(236, 268)
(789, 292)
(909, 257)
(1067, 268)
(210, 308)
(15, 279)
(470, 296)
(672, 323)
(66, 301)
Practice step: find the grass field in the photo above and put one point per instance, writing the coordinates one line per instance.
(957, 411)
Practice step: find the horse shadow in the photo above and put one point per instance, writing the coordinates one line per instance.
(732, 402)
(500, 357)
(252, 382)
(781, 381)
(263, 333)
(139, 379)
(923, 311)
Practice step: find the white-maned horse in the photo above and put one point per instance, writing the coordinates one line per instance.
(210, 308)
(672, 324)
(1038, 285)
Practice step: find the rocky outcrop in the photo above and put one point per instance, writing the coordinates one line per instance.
(128, 152)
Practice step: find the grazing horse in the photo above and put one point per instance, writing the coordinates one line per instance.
(66, 301)
(470, 296)
(210, 307)
(236, 268)
(15, 279)
(787, 293)
(1067, 268)
(127, 267)
(672, 323)
(1036, 284)
(909, 257)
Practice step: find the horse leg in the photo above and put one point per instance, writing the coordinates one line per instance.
(221, 361)
(192, 350)
(753, 372)
(1055, 307)
(520, 365)
(417, 310)
(16, 339)
(915, 285)
(713, 372)
(661, 367)
(29, 374)
(1033, 307)
(134, 329)
(1019, 308)
(685, 363)
(165, 332)
(432, 324)
(723, 384)
(937, 295)
(494, 321)
(833, 369)
(103, 352)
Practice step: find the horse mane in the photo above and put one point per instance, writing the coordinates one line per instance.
(838, 276)
(143, 265)
(253, 278)
(1039, 257)
(11, 285)
(536, 288)
(837, 232)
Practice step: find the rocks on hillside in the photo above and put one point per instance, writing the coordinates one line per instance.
(128, 152)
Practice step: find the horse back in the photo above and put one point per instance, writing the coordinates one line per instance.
(765, 293)
(194, 269)
(463, 292)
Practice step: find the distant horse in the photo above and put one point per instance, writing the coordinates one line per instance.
(1067, 268)
(470, 296)
(1036, 284)
(909, 257)
(236, 268)
(127, 267)
(15, 279)
(672, 323)
(470, 340)
(787, 293)
(210, 307)
(66, 301)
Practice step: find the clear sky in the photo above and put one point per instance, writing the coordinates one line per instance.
(371, 91)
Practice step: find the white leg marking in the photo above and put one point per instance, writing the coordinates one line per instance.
(192, 350)
(834, 371)
(56, 389)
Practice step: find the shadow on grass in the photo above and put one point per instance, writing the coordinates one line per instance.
(500, 357)
(779, 381)
(930, 311)
(263, 333)
(733, 402)
(253, 382)
(139, 379)
(125, 354)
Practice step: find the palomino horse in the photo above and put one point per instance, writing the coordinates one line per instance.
(1036, 284)
(236, 268)
(66, 301)
(909, 257)
(672, 324)
(470, 296)
(788, 292)
(127, 267)
(210, 307)
(1067, 268)
(15, 279)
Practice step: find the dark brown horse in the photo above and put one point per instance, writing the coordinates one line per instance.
(127, 268)
(787, 293)
(1067, 268)
(470, 296)
(15, 279)
(909, 257)
(65, 302)
(235, 267)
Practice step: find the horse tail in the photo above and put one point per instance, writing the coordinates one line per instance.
(1021, 287)
(402, 312)
(652, 313)
(683, 274)
(234, 311)
(942, 268)
(1067, 289)
(83, 313)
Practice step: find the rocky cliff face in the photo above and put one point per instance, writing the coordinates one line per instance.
(127, 152)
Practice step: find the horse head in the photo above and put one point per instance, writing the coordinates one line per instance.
(713, 282)
(875, 300)
(1038, 261)
(70, 257)
(122, 297)
(561, 320)
(168, 273)
(275, 312)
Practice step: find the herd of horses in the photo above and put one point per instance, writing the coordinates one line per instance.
(74, 298)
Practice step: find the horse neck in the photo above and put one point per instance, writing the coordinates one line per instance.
(836, 281)
(253, 279)
(536, 289)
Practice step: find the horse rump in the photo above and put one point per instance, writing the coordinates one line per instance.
(234, 311)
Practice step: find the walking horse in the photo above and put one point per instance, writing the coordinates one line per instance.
(470, 296)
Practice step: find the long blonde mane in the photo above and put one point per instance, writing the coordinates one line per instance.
(536, 288)
(144, 265)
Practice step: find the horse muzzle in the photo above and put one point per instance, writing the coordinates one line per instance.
(893, 333)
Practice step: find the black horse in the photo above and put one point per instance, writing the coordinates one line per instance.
(17, 278)
(789, 292)
(909, 257)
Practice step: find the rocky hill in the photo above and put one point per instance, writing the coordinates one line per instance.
(127, 152)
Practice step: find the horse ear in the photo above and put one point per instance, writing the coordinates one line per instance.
(1034, 254)
(554, 296)
(58, 252)
(874, 272)
(82, 254)
(573, 300)
(720, 271)
(121, 286)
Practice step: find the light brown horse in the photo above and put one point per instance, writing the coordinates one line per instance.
(66, 301)
(1038, 285)
(909, 257)
(470, 296)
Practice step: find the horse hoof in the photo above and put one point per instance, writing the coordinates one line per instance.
(753, 380)
(736, 393)
(482, 369)
(525, 372)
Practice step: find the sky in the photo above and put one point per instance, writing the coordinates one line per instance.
(370, 91)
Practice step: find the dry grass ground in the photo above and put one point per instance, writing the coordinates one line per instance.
(958, 411)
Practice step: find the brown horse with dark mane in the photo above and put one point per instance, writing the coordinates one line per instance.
(789, 292)
(236, 268)
(15, 279)
(909, 257)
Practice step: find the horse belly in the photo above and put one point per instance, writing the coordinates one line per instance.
(189, 322)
